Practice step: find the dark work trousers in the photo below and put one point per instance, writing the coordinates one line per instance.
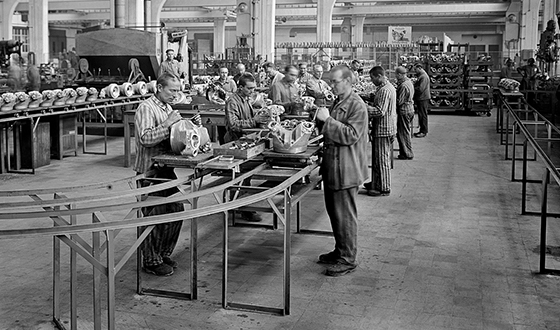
(343, 213)
(404, 134)
(422, 107)
(163, 238)
(382, 147)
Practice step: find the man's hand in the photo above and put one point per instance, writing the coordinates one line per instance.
(197, 120)
(173, 117)
(261, 119)
(322, 114)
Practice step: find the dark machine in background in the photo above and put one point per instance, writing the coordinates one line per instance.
(7, 48)
(119, 55)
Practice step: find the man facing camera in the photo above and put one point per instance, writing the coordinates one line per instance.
(344, 168)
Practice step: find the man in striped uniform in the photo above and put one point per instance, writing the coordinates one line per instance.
(405, 113)
(383, 116)
(153, 120)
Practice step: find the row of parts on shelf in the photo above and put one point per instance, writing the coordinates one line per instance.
(46, 98)
(339, 44)
(454, 79)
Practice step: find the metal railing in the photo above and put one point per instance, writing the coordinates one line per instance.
(543, 137)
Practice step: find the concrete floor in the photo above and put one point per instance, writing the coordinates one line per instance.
(447, 250)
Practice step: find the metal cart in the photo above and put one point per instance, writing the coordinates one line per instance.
(479, 99)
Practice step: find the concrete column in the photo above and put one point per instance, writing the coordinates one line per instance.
(265, 30)
(324, 20)
(39, 30)
(147, 14)
(135, 14)
(529, 28)
(7, 8)
(220, 36)
(155, 16)
(120, 13)
(358, 32)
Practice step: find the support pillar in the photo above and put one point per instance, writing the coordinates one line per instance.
(220, 37)
(147, 14)
(324, 20)
(39, 30)
(265, 12)
(7, 9)
(529, 28)
(358, 32)
(119, 13)
(548, 14)
(155, 15)
(135, 14)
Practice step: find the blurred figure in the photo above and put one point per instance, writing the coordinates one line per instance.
(14, 73)
(33, 74)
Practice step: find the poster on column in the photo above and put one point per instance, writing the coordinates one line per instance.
(400, 35)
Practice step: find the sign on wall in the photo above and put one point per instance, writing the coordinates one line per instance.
(400, 34)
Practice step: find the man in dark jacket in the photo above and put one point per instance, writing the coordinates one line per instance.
(344, 168)
(422, 99)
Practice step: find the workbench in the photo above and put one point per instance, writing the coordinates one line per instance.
(293, 183)
(211, 119)
(62, 132)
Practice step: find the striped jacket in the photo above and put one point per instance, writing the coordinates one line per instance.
(152, 138)
(383, 111)
(405, 95)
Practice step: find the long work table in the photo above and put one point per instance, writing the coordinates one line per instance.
(33, 129)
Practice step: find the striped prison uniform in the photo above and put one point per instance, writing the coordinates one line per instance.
(405, 115)
(152, 139)
(383, 115)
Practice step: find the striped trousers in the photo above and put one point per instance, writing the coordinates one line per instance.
(382, 147)
(163, 238)
(404, 134)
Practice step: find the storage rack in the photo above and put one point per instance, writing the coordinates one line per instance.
(478, 82)
(446, 83)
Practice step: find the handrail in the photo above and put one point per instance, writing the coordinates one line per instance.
(164, 218)
(521, 124)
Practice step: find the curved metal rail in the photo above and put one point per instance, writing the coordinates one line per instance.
(533, 135)
(68, 232)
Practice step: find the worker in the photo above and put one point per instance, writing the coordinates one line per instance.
(170, 64)
(529, 74)
(343, 168)
(33, 75)
(225, 82)
(318, 88)
(357, 69)
(271, 73)
(303, 76)
(507, 71)
(240, 71)
(405, 113)
(153, 120)
(241, 115)
(285, 92)
(383, 117)
(422, 99)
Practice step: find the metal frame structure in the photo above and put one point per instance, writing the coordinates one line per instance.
(536, 130)
(63, 211)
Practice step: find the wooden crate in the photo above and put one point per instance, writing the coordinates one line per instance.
(41, 145)
(225, 149)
